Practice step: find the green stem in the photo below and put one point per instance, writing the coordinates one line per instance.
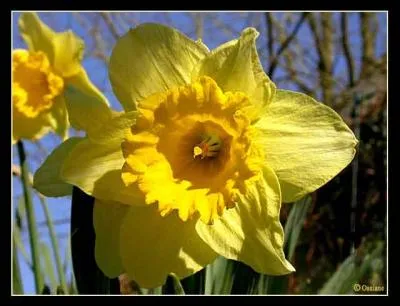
(17, 283)
(54, 243)
(33, 235)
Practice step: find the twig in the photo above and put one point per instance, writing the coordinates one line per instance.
(354, 180)
(226, 28)
(292, 73)
(270, 42)
(346, 48)
(324, 50)
(107, 19)
(198, 23)
(327, 57)
(368, 36)
(285, 44)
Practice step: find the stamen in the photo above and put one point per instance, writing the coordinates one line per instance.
(209, 147)
(197, 151)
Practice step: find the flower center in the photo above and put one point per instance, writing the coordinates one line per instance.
(209, 147)
(35, 85)
(192, 149)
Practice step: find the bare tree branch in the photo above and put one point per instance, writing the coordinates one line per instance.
(223, 26)
(288, 57)
(368, 37)
(270, 37)
(110, 24)
(198, 22)
(346, 48)
(327, 57)
(285, 44)
(324, 46)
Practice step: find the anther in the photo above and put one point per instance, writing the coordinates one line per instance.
(209, 147)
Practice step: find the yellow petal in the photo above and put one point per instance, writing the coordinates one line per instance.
(110, 187)
(251, 231)
(114, 130)
(107, 221)
(235, 66)
(47, 179)
(29, 128)
(82, 82)
(306, 143)
(86, 112)
(64, 49)
(153, 246)
(68, 53)
(96, 169)
(36, 34)
(58, 117)
(151, 58)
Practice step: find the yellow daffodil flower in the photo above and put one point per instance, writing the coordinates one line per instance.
(40, 75)
(200, 161)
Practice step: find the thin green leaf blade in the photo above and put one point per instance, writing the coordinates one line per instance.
(54, 243)
(48, 267)
(17, 281)
(20, 246)
(31, 218)
(352, 270)
(294, 225)
(219, 276)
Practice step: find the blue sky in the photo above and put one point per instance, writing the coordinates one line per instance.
(213, 36)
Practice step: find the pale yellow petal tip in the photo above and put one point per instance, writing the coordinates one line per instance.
(251, 32)
(290, 267)
(64, 134)
(25, 16)
(203, 45)
(356, 142)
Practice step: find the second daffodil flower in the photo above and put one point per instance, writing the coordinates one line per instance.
(40, 75)
(200, 161)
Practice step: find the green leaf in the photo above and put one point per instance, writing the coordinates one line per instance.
(20, 246)
(294, 225)
(272, 284)
(31, 218)
(219, 276)
(67, 256)
(353, 269)
(47, 266)
(156, 291)
(17, 281)
(72, 289)
(20, 213)
(60, 291)
(245, 279)
(54, 243)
